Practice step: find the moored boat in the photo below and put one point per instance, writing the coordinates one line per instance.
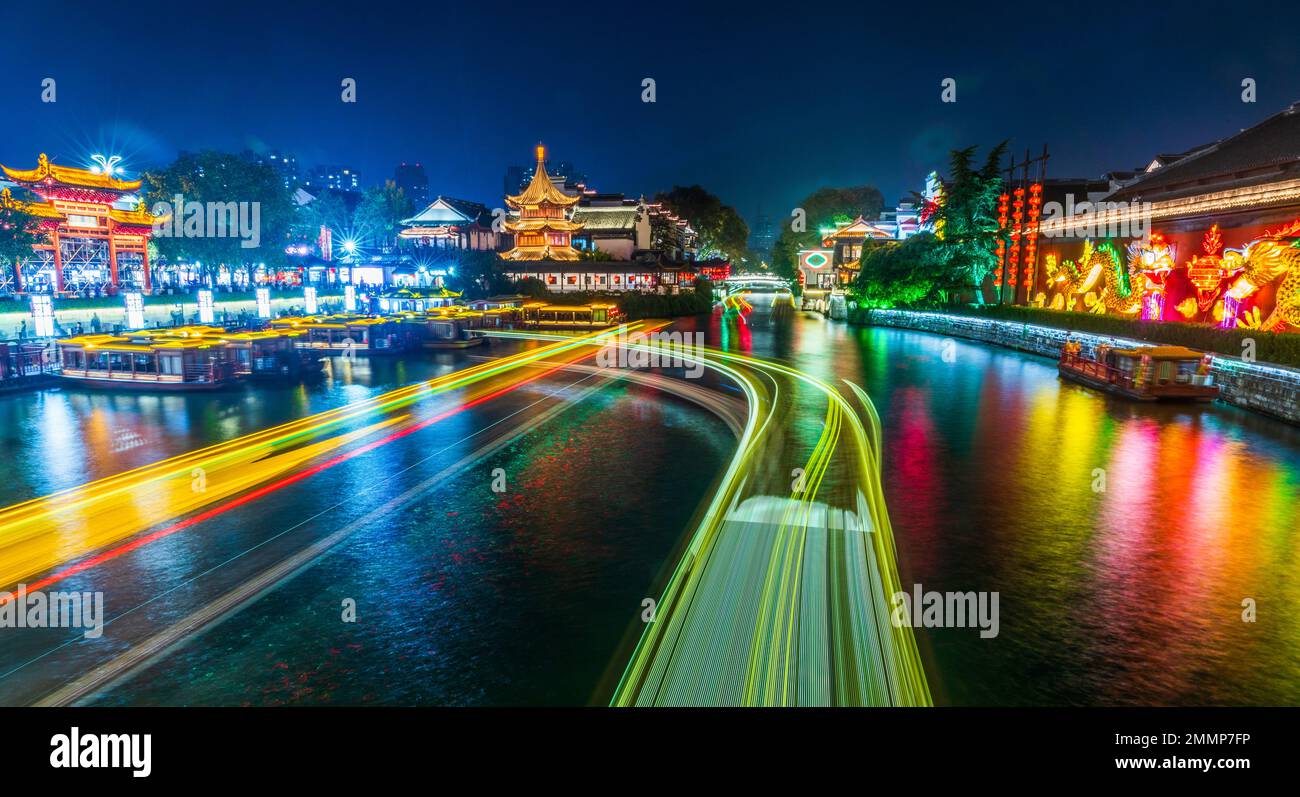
(595, 315)
(145, 360)
(1142, 373)
(347, 333)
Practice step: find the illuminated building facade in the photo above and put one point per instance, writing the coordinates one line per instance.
(450, 224)
(544, 226)
(96, 230)
(847, 243)
(1211, 236)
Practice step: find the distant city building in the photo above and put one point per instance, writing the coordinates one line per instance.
(762, 236)
(410, 177)
(286, 166)
(336, 178)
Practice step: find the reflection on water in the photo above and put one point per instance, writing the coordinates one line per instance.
(469, 597)
(1122, 538)
(1131, 594)
(65, 437)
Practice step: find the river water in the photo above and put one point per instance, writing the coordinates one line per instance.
(1125, 541)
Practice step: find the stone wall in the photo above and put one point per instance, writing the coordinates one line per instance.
(1269, 389)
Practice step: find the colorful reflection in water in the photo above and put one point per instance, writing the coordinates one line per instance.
(1131, 594)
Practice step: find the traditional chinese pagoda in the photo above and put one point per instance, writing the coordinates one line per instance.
(544, 228)
(97, 232)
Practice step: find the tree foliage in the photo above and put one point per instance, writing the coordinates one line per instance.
(967, 214)
(215, 177)
(18, 233)
(379, 217)
(825, 207)
(723, 233)
(480, 274)
(905, 272)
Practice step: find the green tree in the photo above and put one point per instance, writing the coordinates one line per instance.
(723, 233)
(825, 207)
(966, 217)
(903, 273)
(379, 216)
(481, 274)
(215, 178)
(18, 231)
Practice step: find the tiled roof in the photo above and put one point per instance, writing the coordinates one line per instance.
(449, 210)
(618, 219)
(1265, 153)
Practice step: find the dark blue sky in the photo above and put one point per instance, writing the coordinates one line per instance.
(760, 104)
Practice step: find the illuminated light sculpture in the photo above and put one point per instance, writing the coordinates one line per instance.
(263, 302)
(1228, 283)
(92, 242)
(350, 298)
(1153, 261)
(1277, 256)
(309, 299)
(545, 227)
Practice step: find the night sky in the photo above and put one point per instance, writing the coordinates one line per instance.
(760, 106)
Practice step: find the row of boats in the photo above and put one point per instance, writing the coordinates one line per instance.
(201, 357)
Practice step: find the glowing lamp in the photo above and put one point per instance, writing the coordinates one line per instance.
(206, 314)
(134, 310)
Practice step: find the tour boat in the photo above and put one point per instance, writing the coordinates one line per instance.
(1143, 373)
(347, 332)
(596, 315)
(272, 353)
(450, 327)
(147, 360)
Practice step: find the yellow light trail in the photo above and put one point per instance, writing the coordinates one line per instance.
(39, 535)
(782, 595)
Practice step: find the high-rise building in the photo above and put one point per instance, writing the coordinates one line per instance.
(410, 177)
(762, 236)
(337, 178)
(286, 166)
